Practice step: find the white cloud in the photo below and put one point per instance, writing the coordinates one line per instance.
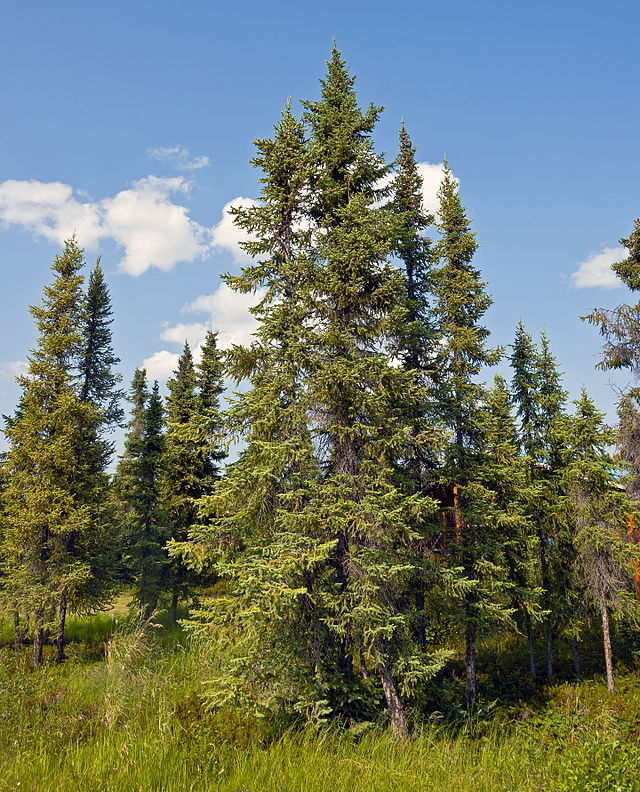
(49, 210)
(595, 270)
(12, 369)
(153, 231)
(180, 156)
(195, 333)
(226, 234)
(161, 365)
(229, 314)
(143, 220)
(431, 174)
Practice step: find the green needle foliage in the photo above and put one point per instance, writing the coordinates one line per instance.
(191, 454)
(460, 303)
(599, 512)
(99, 384)
(51, 532)
(313, 534)
(145, 526)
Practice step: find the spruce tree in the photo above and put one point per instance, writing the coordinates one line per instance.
(98, 382)
(192, 453)
(49, 524)
(312, 532)
(598, 509)
(417, 341)
(254, 531)
(137, 485)
(460, 302)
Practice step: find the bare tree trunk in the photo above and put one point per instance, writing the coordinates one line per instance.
(25, 630)
(470, 662)
(17, 637)
(363, 662)
(62, 616)
(38, 640)
(532, 655)
(174, 605)
(143, 605)
(398, 719)
(576, 655)
(606, 637)
(545, 585)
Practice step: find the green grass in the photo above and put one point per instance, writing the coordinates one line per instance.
(135, 721)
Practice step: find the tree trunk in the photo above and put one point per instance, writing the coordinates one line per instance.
(143, 604)
(174, 606)
(470, 661)
(606, 637)
(38, 640)
(576, 655)
(62, 615)
(420, 623)
(17, 637)
(532, 655)
(545, 585)
(25, 630)
(345, 660)
(398, 719)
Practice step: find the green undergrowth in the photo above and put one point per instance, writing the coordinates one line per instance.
(131, 717)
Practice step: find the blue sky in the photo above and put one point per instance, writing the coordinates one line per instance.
(133, 123)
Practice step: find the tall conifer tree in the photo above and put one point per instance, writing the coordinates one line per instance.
(49, 525)
(598, 511)
(137, 485)
(460, 303)
(98, 382)
(326, 551)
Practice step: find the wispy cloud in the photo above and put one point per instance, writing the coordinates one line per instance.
(179, 156)
(12, 369)
(595, 271)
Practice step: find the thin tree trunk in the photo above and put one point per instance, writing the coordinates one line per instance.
(545, 585)
(17, 637)
(399, 725)
(532, 654)
(174, 605)
(25, 630)
(38, 640)
(363, 662)
(576, 655)
(62, 615)
(143, 605)
(470, 662)
(420, 623)
(607, 645)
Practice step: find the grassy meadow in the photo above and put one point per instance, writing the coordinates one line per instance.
(126, 712)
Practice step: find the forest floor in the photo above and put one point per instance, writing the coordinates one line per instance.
(125, 712)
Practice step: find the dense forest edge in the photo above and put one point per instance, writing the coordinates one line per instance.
(408, 577)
